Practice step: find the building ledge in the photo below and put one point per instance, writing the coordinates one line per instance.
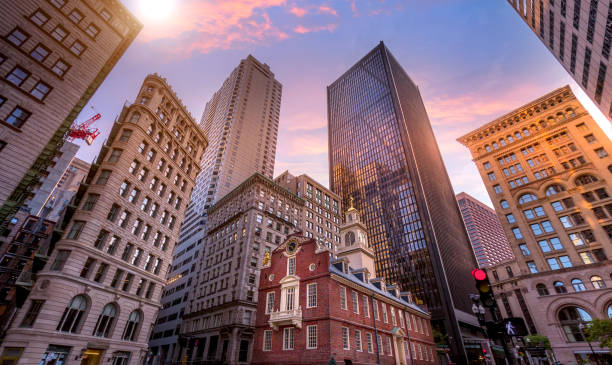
(286, 318)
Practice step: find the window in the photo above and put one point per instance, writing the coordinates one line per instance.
(345, 339)
(571, 318)
(60, 67)
(105, 321)
(77, 48)
(59, 33)
(75, 230)
(40, 53)
(379, 344)
(601, 152)
(100, 273)
(269, 302)
(504, 204)
(17, 76)
(91, 201)
(487, 165)
(366, 308)
(39, 18)
(32, 314)
(517, 233)
(87, 267)
(125, 135)
(76, 16)
(103, 177)
(106, 15)
(290, 298)
(491, 176)
(587, 258)
(288, 338)
(127, 282)
(60, 260)
(92, 31)
(73, 314)
(532, 267)
(131, 326)
(578, 285)
(267, 341)
(553, 263)
(311, 342)
(526, 198)
(559, 287)
(554, 189)
(497, 188)
(291, 266)
(598, 282)
(312, 295)
(343, 298)
(510, 218)
(542, 290)
(18, 37)
(117, 278)
(524, 249)
(355, 302)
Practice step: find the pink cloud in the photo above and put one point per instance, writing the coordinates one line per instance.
(325, 9)
(297, 11)
(303, 29)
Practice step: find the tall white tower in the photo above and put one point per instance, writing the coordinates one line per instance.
(354, 242)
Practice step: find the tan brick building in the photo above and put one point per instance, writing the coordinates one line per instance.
(547, 169)
(54, 54)
(96, 299)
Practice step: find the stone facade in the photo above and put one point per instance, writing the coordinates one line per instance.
(97, 297)
(241, 122)
(53, 56)
(314, 307)
(579, 35)
(243, 226)
(547, 170)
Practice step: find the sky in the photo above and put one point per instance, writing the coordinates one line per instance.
(473, 60)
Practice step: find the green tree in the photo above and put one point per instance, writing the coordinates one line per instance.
(440, 338)
(600, 330)
(537, 340)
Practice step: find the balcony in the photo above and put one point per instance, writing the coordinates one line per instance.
(286, 318)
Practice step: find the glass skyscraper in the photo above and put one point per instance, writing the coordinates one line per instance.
(383, 153)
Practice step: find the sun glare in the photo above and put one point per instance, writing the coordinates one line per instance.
(156, 9)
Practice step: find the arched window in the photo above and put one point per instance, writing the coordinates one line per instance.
(135, 117)
(504, 204)
(610, 311)
(554, 189)
(526, 132)
(502, 142)
(542, 290)
(578, 285)
(585, 179)
(150, 129)
(495, 146)
(571, 318)
(349, 239)
(73, 314)
(517, 135)
(488, 148)
(570, 112)
(105, 321)
(509, 138)
(598, 282)
(130, 333)
(560, 117)
(526, 198)
(560, 287)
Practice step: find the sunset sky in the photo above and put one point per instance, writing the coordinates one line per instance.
(473, 60)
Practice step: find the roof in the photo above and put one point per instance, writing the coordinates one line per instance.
(352, 278)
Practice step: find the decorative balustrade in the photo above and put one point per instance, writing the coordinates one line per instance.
(287, 317)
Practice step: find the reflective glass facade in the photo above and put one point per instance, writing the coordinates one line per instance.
(383, 153)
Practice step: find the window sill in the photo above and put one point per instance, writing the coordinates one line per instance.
(16, 129)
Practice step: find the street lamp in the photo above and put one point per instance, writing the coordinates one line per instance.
(581, 327)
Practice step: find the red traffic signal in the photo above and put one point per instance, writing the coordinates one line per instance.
(479, 274)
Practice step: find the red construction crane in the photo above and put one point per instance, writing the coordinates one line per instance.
(82, 131)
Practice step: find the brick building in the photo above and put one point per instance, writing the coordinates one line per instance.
(314, 307)
(54, 54)
(97, 297)
(547, 169)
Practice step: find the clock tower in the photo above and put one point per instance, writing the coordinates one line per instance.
(354, 242)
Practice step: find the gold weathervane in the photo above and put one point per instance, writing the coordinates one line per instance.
(266, 259)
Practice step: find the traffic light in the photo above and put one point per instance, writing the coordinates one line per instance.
(484, 288)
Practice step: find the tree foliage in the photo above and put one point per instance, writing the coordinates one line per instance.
(538, 340)
(600, 330)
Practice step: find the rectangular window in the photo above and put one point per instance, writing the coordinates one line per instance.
(290, 299)
(384, 312)
(288, 338)
(565, 261)
(103, 177)
(532, 267)
(358, 340)
(561, 41)
(269, 302)
(150, 290)
(379, 344)
(312, 295)
(267, 341)
(366, 308)
(375, 309)
(18, 37)
(87, 267)
(586, 67)
(517, 233)
(601, 152)
(311, 342)
(553, 263)
(369, 342)
(60, 260)
(77, 48)
(117, 278)
(39, 18)
(601, 78)
(40, 53)
(40, 90)
(389, 351)
(17, 76)
(92, 31)
(497, 188)
(343, 297)
(587, 258)
(32, 314)
(345, 339)
(59, 33)
(75, 230)
(60, 67)
(355, 301)
(291, 266)
(99, 277)
(91, 201)
(573, 55)
(76, 16)
(127, 282)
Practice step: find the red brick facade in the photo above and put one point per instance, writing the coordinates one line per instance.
(333, 319)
